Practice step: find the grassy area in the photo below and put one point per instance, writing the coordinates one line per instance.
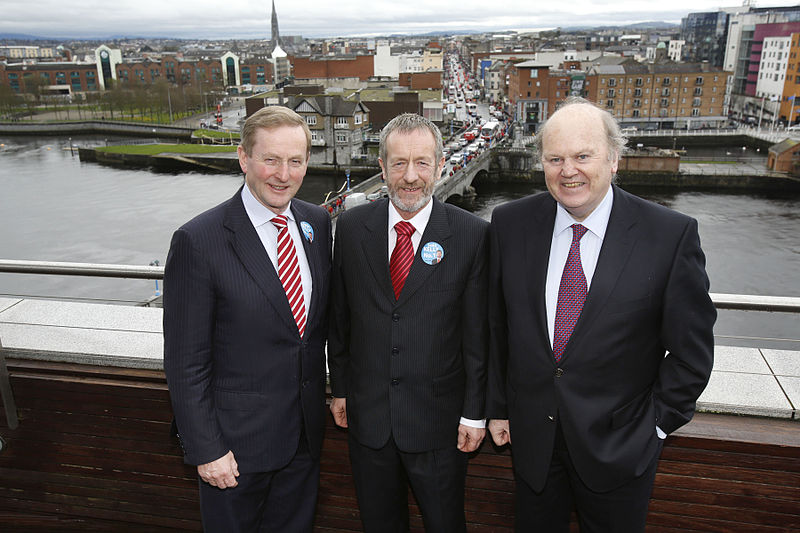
(216, 134)
(154, 149)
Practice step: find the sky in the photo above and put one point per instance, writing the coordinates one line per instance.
(250, 19)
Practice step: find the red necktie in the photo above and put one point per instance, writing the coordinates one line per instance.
(571, 294)
(402, 256)
(289, 272)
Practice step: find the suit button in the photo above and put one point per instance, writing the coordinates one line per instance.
(395, 317)
(305, 384)
(395, 350)
(550, 418)
(559, 372)
(395, 382)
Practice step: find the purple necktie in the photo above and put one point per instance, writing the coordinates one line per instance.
(571, 294)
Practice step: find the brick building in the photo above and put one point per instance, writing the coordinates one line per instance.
(361, 67)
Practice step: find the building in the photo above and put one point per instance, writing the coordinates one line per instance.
(671, 95)
(705, 35)
(338, 125)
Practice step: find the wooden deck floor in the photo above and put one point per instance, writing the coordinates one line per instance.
(93, 453)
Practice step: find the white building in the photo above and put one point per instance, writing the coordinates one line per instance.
(772, 68)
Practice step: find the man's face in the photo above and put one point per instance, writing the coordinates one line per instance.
(275, 169)
(411, 170)
(575, 159)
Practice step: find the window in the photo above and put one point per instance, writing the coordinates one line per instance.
(637, 103)
(358, 119)
(612, 82)
(696, 102)
(636, 113)
(612, 93)
(609, 103)
(341, 122)
(698, 91)
(341, 138)
(695, 112)
(639, 82)
(637, 92)
(311, 120)
(665, 92)
(315, 136)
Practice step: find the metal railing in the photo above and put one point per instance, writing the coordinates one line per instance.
(742, 302)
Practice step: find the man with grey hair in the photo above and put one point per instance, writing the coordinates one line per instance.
(600, 332)
(408, 342)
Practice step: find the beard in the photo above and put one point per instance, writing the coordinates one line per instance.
(407, 206)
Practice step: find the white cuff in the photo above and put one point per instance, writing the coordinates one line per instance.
(660, 433)
(480, 424)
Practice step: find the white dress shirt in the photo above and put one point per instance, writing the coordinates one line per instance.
(420, 222)
(261, 218)
(591, 242)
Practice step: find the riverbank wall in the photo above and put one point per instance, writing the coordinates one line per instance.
(93, 127)
(225, 162)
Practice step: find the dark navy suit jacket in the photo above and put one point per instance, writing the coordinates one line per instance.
(412, 367)
(240, 377)
(648, 298)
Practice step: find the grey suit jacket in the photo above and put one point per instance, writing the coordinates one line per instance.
(412, 367)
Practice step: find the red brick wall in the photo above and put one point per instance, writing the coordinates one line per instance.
(361, 67)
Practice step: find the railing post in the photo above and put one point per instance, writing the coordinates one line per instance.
(6, 392)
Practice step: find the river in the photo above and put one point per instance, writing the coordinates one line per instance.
(55, 208)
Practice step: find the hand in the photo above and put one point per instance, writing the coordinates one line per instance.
(221, 473)
(469, 438)
(501, 434)
(339, 410)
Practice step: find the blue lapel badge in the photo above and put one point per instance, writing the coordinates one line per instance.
(432, 253)
(308, 231)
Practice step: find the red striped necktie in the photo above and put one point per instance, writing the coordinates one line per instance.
(402, 256)
(571, 294)
(289, 272)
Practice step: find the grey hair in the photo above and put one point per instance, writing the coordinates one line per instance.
(406, 123)
(615, 139)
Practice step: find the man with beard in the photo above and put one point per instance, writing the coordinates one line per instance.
(408, 342)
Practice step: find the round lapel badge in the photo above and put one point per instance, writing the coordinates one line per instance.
(308, 231)
(432, 253)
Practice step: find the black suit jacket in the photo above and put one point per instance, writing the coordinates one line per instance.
(412, 367)
(613, 385)
(240, 377)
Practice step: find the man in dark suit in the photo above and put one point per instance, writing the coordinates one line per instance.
(408, 344)
(601, 332)
(245, 367)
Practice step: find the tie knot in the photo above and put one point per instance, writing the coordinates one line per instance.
(279, 222)
(404, 228)
(577, 231)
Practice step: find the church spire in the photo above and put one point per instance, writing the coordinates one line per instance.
(275, 43)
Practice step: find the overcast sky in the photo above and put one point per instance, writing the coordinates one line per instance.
(250, 19)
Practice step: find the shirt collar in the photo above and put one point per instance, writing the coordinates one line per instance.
(258, 213)
(419, 221)
(596, 222)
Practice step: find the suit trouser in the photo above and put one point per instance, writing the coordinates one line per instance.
(280, 501)
(382, 478)
(621, 510)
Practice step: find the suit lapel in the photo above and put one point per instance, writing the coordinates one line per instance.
(375, 245)
(311, 248)
(437, 230)
(248, 247)
(616, 249)
(537, 240)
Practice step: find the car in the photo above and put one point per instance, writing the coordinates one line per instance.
(793, 127)
(629, 130)
(456, 159)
